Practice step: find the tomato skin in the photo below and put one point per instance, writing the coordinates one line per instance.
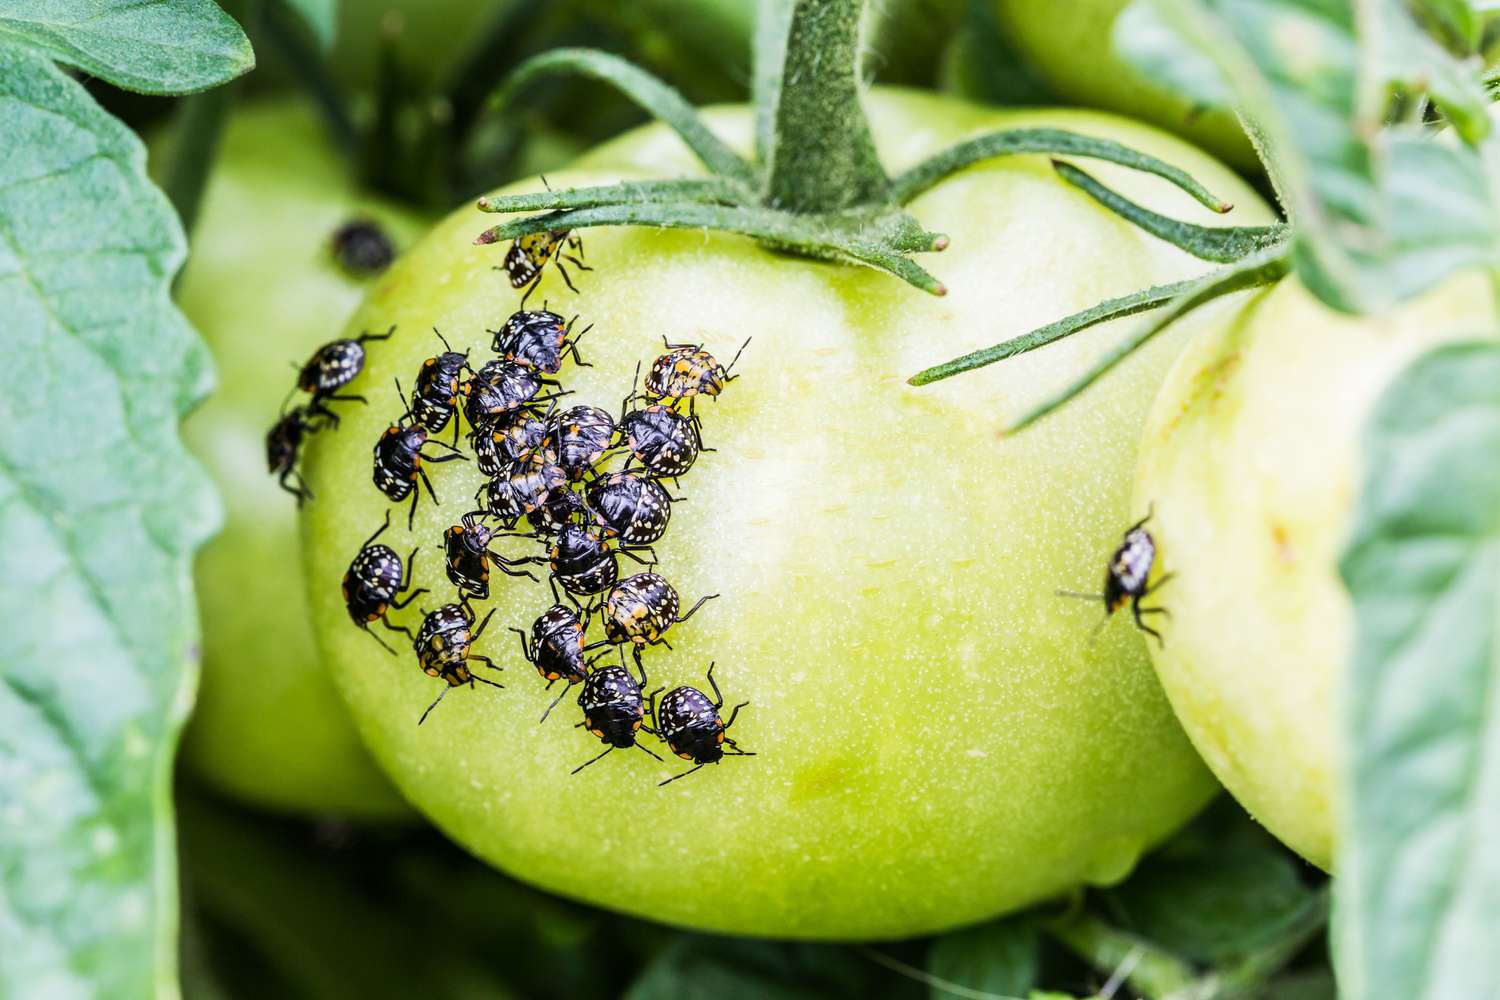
(1069, 46)
(1251, 459)
(263, 289)
(939, 738)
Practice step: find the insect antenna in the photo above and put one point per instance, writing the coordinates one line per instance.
(728, 377)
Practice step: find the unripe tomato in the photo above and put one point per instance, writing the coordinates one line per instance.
(1252, 462)
(264, 289)
(1069, 46)
(939, 737)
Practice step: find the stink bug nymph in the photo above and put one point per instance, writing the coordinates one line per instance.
(660, 439)
(398, 463)
(630, 506)
(467, 550)
(434, 397)
(539, 339)
(333, 366)
(528, 256)
(374, 580)
(283, 441)
(1127, 580)
(687, 371)
(556, 649)
(614, 710)
(362, 247)
(581, 435)
(444, 648)
(639, 609)
(692, 726)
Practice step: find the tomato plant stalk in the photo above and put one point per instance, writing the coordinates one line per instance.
(815, 186)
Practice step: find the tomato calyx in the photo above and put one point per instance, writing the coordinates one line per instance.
(815, 186)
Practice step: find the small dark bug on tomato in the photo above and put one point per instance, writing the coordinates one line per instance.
(333, 366)
(528, 256)
(630, 506)
(398, 463)
(639, 609)
(556, 649)
(583, 561)
(434, 397)
(1126, 580)
(525, 433)
(687, 371)
(445, 645)
(374, 582)
(692, 726)
(466, 547)
(581, 435)
(362, 247)
(283, 442)
(500, 388)
(614, 710)
(539, 339)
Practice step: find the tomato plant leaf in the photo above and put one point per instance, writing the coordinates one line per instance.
(100, 509)
(1380, 213)
(320, 16)
(1220, 889)
(1143, 37)
(699, 968)
(154, 47)
(1001, 958)
(1418, 898)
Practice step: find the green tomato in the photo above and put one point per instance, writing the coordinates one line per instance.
(939, 737)
(262, 286)
(1251, 460)
(1069, 46)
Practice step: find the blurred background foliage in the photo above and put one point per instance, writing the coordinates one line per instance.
(322, 906)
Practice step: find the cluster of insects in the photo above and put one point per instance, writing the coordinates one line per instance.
(578, 488)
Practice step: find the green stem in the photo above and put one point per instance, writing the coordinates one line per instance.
(306, 63)
(199, 126)
(823, 237)
(1125, 305)
(655, 97)
(712, 190)
(1254, 969)
(1153, 973)
(1260, 269)
(1044, 140)
(1220, 244)
(814, 138)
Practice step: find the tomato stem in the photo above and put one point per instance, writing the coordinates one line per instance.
(664, 102)
(1057, 142)
(817, 187)
(1220, 244)
(1125, 305)
(1263, 268)
(812, 135)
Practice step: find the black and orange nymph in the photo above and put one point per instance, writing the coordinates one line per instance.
(1127, 580)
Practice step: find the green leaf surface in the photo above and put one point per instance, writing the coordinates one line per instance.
(703, 968)
(320, 16)
(100, 509)
(1380, 214)
(150, 46)
(999, 958)
(1220, 889)
(1143, 37)
(1418, 898)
